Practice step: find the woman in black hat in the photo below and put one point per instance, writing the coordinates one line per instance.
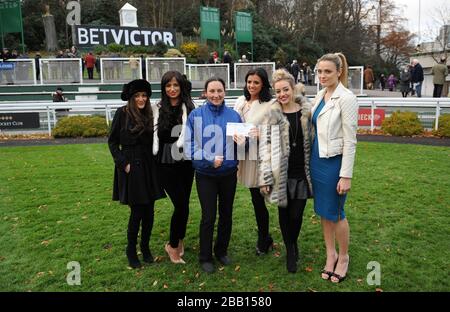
(135, 179)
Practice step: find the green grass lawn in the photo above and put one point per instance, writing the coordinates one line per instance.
(55, 207)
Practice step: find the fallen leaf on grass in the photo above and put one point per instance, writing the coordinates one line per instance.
(237, 268)
(276, 254)
(233, 280)
(40, 274)
(359, 280)
(60, 222)
(221, 268)
(158, 259)
(197, 275)
(165, 286)
(2, 258)
(155, 283)
(46, 242)
(201, 284)
(308, 269)
(107, 246)
(312, 290)
(379, 290)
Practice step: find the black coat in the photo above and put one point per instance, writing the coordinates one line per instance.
(141, 185)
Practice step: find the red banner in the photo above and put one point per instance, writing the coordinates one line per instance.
(365, 115)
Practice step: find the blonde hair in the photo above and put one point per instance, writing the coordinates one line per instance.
(282, 75)
(300, 89)
(340, 61)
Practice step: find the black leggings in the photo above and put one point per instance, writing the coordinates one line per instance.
(291, 218)
(262, 217)
(140, 214)
(177, 182)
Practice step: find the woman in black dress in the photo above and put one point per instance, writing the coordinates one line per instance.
(135, 179)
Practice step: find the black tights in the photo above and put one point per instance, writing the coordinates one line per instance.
(140, 214)
(262, 218)
(291, 218)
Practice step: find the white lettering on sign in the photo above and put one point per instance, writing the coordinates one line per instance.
(104, 31)
(168, 39)
(117, 37)
(83, 37)
(89, 36)
(133, 37)
(156, 36)
(94, 35)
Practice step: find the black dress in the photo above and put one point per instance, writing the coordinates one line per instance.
(141, 185)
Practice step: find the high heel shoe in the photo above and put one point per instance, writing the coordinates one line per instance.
(173, 254)
(339, 278)
(263, 250)
(291, 261)
(180, 248)
(329, 273)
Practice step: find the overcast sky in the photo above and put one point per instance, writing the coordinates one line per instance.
(428, 26)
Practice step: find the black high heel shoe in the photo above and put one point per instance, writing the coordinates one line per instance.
(291, 260)
(329, 273)
(264, 249)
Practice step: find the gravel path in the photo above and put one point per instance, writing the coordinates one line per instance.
(361, 137)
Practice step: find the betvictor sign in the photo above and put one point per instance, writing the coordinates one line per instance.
(88, 36)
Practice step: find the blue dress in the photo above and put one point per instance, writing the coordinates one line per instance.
(325, 176)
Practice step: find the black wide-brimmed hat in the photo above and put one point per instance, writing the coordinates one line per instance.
(138, 85)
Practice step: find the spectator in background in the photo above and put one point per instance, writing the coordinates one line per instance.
(304, 69)
(97, 63)
(417, 77)
(369, 78)
(295, 70)
(382, 82)
(405, 79)
(439, 72)
(243, 59)
(392, 82)
(36, 63)
(227, 59)
(134, 66)
(58, 96)
(89, 61)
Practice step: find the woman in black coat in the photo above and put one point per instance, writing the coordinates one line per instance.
(135, 179)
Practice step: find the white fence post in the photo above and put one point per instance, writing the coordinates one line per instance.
(438, 113)
(48, 122)
(372, 115)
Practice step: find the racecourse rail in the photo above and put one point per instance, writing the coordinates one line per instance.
(428, 109)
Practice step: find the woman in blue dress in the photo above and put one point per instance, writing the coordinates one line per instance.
(335, 116)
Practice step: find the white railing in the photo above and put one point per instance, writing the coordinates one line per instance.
(432, 107)
(157, 66)
(61, 70)
(200, 73)
(119, 70)
(241, 70)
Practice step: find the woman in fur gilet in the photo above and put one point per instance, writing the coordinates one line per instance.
(284, 160)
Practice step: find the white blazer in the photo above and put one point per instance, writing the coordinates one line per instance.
(336, 127)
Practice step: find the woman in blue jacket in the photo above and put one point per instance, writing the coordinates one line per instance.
(213, 156)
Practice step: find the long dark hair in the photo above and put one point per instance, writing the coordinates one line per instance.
(264, 95)
(169, 115)
(141, 119)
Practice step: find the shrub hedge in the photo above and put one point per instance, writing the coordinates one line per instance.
(444, 126)
(402, 124)
(80, 126)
